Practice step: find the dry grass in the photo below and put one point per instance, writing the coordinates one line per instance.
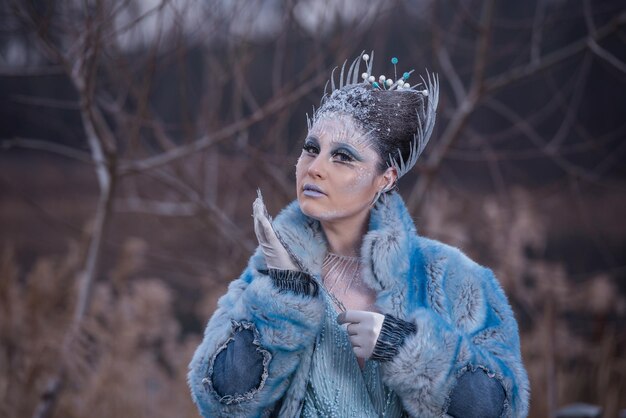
(130, 359)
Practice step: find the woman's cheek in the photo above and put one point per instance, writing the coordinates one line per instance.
(298, 167)
(301, 170)
(360, 182)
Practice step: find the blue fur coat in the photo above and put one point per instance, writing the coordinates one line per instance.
(464, 322)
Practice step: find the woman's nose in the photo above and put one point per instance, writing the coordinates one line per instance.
(317, 168)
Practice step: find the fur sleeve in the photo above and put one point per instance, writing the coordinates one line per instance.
(464, 324)
(284, 324)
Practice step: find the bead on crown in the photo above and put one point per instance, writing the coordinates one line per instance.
(384, 83)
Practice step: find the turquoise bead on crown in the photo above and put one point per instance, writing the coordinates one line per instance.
(394, 60)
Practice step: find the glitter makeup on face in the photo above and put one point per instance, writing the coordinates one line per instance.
(337, 159)
(341, 127)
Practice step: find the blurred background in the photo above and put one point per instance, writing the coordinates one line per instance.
(134, 134)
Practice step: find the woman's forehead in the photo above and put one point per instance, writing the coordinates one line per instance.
(340, 128)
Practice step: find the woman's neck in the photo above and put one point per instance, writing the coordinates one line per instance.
(346, 235)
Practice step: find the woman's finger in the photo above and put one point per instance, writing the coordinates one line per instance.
(351, 316)
(259, 231)
(352, 329)
(264, 224)
(354, 341)
(359, 352)
(256, 215)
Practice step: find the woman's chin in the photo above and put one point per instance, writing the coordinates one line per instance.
(313, 208)
(308, 207)
(320, 212)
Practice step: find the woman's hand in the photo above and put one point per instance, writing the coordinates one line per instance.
(276, 256)
(363, 330)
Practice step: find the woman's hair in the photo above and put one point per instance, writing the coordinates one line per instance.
(389, 117)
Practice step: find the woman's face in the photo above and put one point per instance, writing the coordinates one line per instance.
(336, 175)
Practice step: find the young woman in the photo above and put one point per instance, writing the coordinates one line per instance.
(343, 310)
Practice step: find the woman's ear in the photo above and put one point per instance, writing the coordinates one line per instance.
(389, 178)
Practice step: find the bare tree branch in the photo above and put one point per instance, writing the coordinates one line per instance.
(224, 133)
(593, 44)
(573, 105)
(48, 146)
(462, 112)
(606, 55)
(482, 46)
(532, 134)
(225, 226)
(494, 83)
(491, 157)
(443, 57)
(137, 205)
(31, 72)
(102, 145)
(467, 16)
(534, 153)
(435, 158)
(537, 33)
(45, 102)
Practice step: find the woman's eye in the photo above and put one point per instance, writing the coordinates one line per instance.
(344, 157)
(311, 149)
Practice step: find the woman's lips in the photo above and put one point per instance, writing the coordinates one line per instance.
(312, 190)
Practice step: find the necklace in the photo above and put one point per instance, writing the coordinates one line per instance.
(341, 274)
(337, 267)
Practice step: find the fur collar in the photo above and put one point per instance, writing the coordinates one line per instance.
(386, 247)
